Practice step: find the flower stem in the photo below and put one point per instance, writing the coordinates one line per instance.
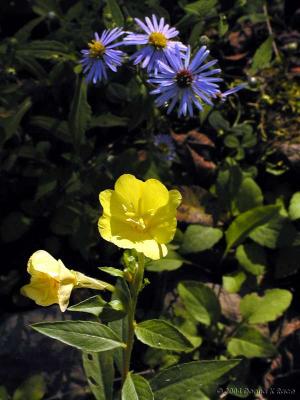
(135, 288)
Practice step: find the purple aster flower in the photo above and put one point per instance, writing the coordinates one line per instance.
(156, 40)
(101, 54)
(186, 82)
(231, 91)
(166, 146)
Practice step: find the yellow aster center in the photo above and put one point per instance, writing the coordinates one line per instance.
(158, 40)
(96, 48)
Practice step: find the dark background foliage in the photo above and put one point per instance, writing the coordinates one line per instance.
(63, 142)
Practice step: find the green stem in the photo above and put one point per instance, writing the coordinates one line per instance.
(135, 288)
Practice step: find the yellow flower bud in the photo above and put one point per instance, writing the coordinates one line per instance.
(139, 215)
(51, 282)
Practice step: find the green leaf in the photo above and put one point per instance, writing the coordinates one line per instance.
(33, 388)
(246, 222)
(99, 370)
(108, 120)
(112, 271)
(177, 382)
(233, 283)
(200, 301)
(223, 25)
(228, 184)
(201, 8)
(172, 261)
(294, 208)
(217, 121)
(231, 141)
(262, 56)
(53, 125)
(45, 49)
(198, 238)
(252, 258)
(162, 335)
(277, 232)
(14, 226)
(11, 124)
(84, 335)
(80, 112)
(250, 343)
(115, 12)
(136, 388)
(94, 305)
(97, 306)
(248, 196)
(259, 310)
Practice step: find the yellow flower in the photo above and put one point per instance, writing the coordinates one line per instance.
(139, 215)
(52, 283)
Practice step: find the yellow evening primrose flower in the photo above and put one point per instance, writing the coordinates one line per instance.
(139, 215)
(52, 283)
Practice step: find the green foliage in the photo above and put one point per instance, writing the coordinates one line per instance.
(33, 388)
(259, 310)
(250, 343)
(252, 258)
(162, 335)
(263, 55)
(233, 283)
(84, 335)
(171, 262)
(200, 301)
(136, 388)
(245, 224)
(199, 238)
(99, 370)
(294, 208)
(184, 378)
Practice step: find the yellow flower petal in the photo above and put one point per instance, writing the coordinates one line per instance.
(42, 261)
(139, 215)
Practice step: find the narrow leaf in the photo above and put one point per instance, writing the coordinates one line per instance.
(84, 335)
(116, 12)
(99, 370)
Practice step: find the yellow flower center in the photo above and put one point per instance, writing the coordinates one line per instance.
(158, 40)
(96, 49)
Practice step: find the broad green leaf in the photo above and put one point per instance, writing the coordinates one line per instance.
(80, 112)
(223, 25)
(259, 310)
(248, 196)
(277, 232)
(14, 226)
(252, 258)
(231, 141)
(172, 261)
(108, 120)
(34, 388)
(136, 388)
(187, 380)
(294, 208)
(116, 12)
(246, 222)
(250, 343)
(201, 8)
(262, 56)
(233, 283)
(217, 121)
(11, 124)
(228, 184)
(162, 335)
(198, 238)
(99, 371)
(200, 301)
(84, 335)
(53, 125)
